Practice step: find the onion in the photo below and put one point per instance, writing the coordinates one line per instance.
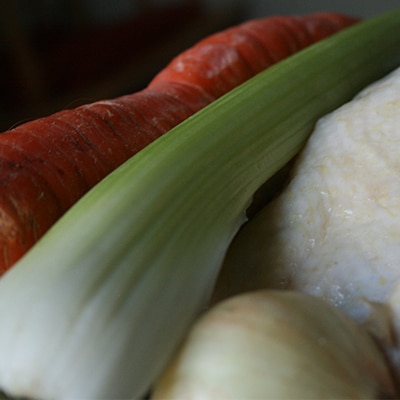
(276, 345)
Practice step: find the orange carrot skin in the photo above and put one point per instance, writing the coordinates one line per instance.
(47, 164)
(224, 60)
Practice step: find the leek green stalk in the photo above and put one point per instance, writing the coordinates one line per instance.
(98, 306)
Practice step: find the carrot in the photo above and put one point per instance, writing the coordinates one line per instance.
(47, 164)
(226, 59)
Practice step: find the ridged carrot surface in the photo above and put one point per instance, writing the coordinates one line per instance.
(47, 164)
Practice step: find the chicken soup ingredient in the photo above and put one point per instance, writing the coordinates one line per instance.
(334, 232)
(98, 306)
(276, 345)
(48, 164)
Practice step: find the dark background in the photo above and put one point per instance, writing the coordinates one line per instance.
(57, 54)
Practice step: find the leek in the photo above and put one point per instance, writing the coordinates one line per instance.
(98, 306)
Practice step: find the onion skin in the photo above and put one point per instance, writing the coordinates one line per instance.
(276, 345)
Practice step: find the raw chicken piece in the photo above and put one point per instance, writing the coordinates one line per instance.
(334, 231)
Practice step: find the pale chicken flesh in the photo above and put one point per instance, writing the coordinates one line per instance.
(334, 231)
